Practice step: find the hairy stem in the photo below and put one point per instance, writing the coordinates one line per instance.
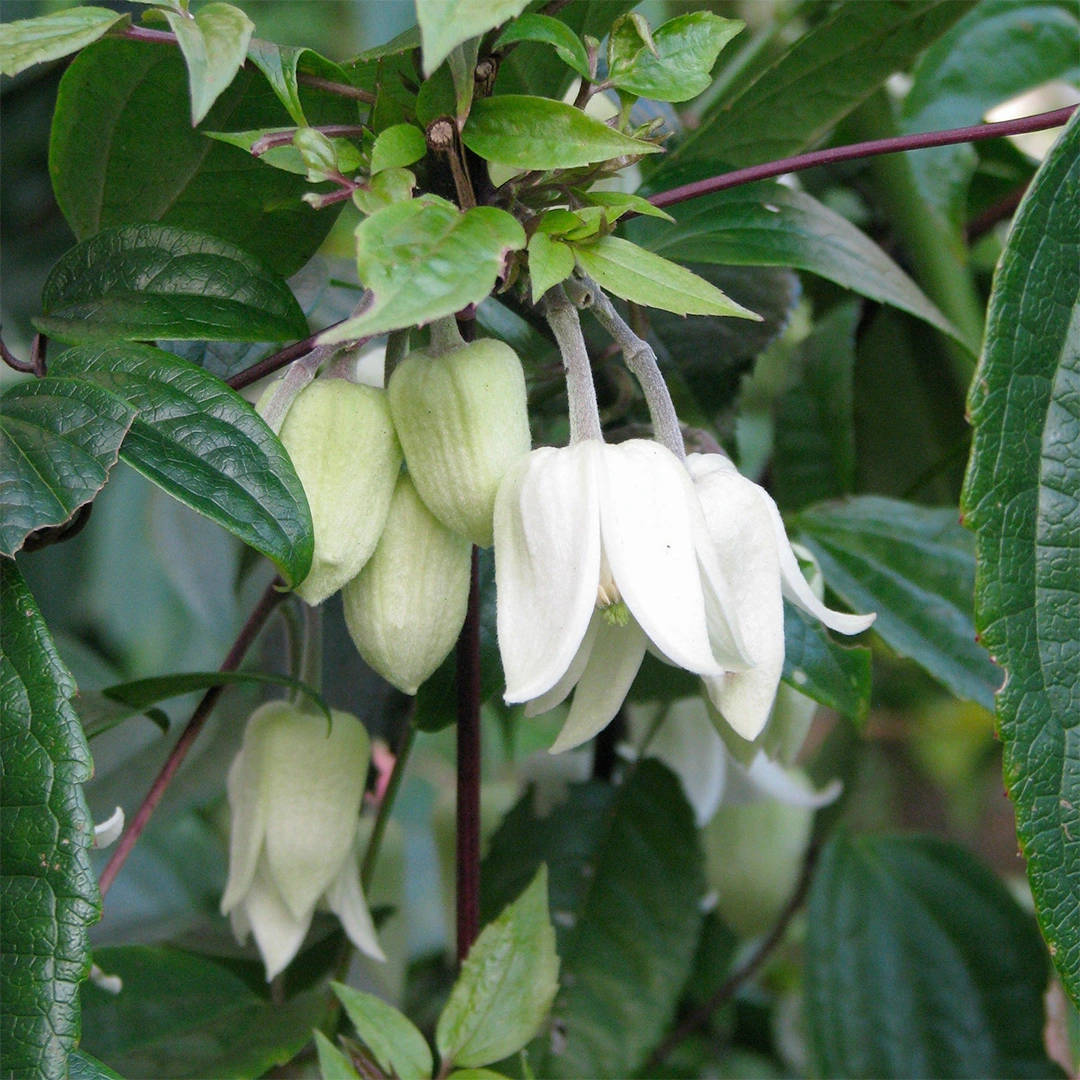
(296, 379)
(562, 317)
(244, 640)
(285, 138)
(386, 805)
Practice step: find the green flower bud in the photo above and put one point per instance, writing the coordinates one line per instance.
(406, 607)
(463, 421)
(342, 443)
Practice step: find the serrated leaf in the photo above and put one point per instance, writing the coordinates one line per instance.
(333, 1064)
(1020, 497)
(141, 282)
(550, 31)
(48, 895)
(280, 65)
(445, 24)
(108, 163)
(397, 147)
(506, 985)
(59, 439)
(390, 1035)
(772, 225)
(963, 964)
(214, 42)
(679, 67)
(181, 1015)
(537, 133)
(637, 275)
(424, 259)
(202, 443)
(550, 262)
(626, 882)
(26, 42)
(916, 568)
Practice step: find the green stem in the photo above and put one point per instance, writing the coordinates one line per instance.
(371, 856)
(309, 668)
(445, 336)
(397, 348)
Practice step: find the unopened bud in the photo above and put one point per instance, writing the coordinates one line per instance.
(406, 607)
(342, 443)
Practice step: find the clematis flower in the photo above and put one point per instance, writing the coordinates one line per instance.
(746, 533)
(601, 551)
(295, 790)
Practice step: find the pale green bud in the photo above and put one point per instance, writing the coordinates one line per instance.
(463, 421)
(406, 608)
(342, 443)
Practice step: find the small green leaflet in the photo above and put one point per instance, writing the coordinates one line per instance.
(214, 42)
(641, 277)
(280, 64)
(391, 1036)
(424, 259)
(397, 147)
(550, 31)
(445, 24)
(550, 262)
(34, 41)
(333, 1064)
(287, 158)
(622, 203)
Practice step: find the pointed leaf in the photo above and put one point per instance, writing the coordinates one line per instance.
(203, 444)
(81, 1066)
(445, 24)
(26, 42)
(333, 1064)
(390, 1035)
(280, 65)
(397, 147)
(550, 262)
(142, 282)
(48, 895)
(551, 31)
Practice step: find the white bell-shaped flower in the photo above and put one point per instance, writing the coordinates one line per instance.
(295, 790)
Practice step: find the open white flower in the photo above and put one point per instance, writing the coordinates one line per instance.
(295, 790)
(746, 533)
(600, 550)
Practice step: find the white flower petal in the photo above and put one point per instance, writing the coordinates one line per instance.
(108, 832)
(345, 898)
(561, 690)
(646, 498)
(688, 744)
(764, 779)
(278, 932)
(547, 564)
(248, 810)
(616, 657)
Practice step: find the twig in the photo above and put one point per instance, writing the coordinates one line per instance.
(38, 348)
(331, 87)
(404, 748)
(562, 317)
(1039, 122)
(244, 640)
(14, 362)
(285, 138)
(982, 223)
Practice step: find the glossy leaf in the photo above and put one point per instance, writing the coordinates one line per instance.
(203, 444)
(48, 895)
(445, 24)
(686, 49)
(538, 133)
(390, 1035)
(637, 275)
(551, 31)
(424, 259)
(622, 202)
(26, 42)
(506, 986)
(214, 42)
(180, 1014)
(142, 282)
(59, 439)
(396, 147)
(550, 262)
(281, 65)
(963, 964)
(108, 163)
(81, 1066)
(1020, 497)
(772, 225)
(627, 878)
(916, 568)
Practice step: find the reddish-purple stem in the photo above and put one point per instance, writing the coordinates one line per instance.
(285, 138)
(14, 362)
(1040, 122)
(244, 640)
(142, 33)
(341, 89)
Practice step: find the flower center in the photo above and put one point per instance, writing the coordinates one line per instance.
(607, 592)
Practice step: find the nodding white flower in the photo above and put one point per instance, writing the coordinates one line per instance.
(747, 535)
(295, 790)
(600, 551)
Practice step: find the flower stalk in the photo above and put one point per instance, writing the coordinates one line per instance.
(562, 317)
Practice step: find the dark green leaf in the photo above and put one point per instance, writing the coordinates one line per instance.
(916, 568)
(920, 963)
(26, 42)
(203, 444)
(424, 259)
(1020, 497)
(817, 82)
(59, 438)
(142, 282)
(100, 714)
(123, 152)
(281, 64)
(553, 32)
(181, 1015)
(48, 895)
(390, 1035)
(772, 225)
(82, 1066)
(537, 133)
(626, 884)
(814, 455)
(445, 24)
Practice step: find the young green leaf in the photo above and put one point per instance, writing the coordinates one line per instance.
(550, 262)
(59, 439)
(333, 1064)
(531, 27)
(390, 1035)
(48, 895)
(280, 65)
(445, 24)
(214, 42)
(641, 277)
(397, 147)
(679, 66)
(537, 133)
(287, 158)
(26, 42)
(506, 986)
(1020, 498)
(142, 282)
(424, 259)
(621, 202)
